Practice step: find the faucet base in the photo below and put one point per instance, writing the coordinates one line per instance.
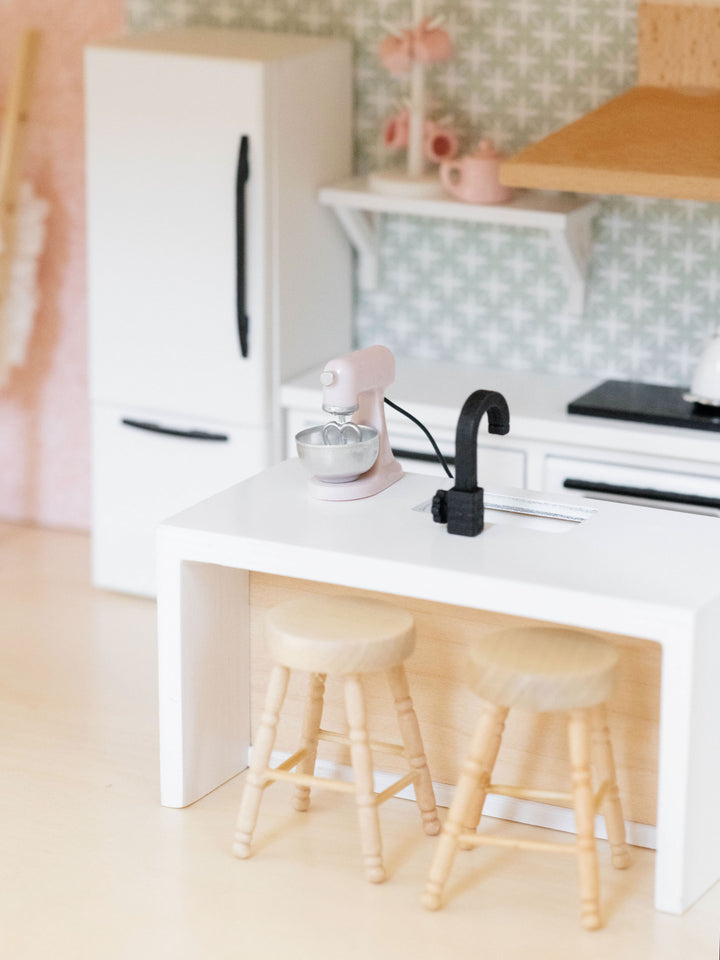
(462, 510)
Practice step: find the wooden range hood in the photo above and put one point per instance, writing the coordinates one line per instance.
(660, 139)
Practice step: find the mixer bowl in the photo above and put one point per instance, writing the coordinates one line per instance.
(337, 462)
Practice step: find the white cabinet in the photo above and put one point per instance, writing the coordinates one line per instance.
(685, 486)
(213, 271)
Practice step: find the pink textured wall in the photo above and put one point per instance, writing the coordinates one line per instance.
(44, 421)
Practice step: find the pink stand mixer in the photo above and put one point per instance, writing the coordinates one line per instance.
(350, 456)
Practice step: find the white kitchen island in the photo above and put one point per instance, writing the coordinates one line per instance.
(641, 572)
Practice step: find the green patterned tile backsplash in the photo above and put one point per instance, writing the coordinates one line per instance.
(495, 295)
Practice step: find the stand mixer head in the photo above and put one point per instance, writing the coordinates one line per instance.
(350, 456)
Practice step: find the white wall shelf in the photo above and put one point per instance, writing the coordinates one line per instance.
(567, 218)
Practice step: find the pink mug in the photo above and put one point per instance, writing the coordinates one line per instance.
(396, 52)
(432, 44)
(396, 131)
(474, 178)
(439, 142)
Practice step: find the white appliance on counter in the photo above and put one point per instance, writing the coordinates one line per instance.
(213, 272)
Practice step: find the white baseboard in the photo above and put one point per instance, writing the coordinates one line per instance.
(504, 808)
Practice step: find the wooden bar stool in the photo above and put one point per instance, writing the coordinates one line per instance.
(539, 669)
(347, 637)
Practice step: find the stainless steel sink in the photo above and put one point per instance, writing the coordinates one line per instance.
(532, 513)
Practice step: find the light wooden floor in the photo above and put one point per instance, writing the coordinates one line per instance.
(91, 866)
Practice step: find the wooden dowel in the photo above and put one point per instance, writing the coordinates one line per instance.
(293, 760)
(378, 745)
(341, 786)
(600, 795)
(396, 787)
(16, 112)
(331, 737)
(476, 839)
(381, 747)
(521, 793)
(11, 144)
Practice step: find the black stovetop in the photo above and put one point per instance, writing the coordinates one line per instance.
(646, 403)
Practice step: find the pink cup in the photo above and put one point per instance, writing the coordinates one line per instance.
(474, 178)
(396, 131)
(432, 44)
(439, 143)
(396, 52)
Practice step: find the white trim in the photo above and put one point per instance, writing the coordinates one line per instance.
(503, 808)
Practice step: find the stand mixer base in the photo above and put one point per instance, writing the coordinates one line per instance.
(367, 485)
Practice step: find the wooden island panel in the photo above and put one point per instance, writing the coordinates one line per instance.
(534, 750)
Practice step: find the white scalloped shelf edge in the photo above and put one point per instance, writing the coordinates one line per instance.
(566, 217)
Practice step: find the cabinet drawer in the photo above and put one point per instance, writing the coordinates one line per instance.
(628, 483)
(142, 476)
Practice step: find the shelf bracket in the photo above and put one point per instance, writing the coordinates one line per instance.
(361, 229)
(574, 246)
(568, 221)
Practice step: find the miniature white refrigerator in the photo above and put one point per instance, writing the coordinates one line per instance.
(213, 271)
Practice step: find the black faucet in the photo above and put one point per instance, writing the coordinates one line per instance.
(462, 507)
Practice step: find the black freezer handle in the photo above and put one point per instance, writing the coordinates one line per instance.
(642, 493)
(243, 173)
(174, 431)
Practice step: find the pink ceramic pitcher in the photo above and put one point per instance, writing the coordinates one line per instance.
(474, 178)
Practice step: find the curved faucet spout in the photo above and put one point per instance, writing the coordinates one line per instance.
(474, 409)
(463, 507)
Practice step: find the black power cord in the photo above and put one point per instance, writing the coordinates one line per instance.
(427, 433)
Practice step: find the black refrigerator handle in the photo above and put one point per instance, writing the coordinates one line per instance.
(243, 172)
(174, 431)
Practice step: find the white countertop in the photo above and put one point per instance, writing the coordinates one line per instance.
(435, 392)
(624, 569)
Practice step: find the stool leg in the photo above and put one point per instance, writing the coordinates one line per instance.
(311, 728)
(259, 762)
(584, 803)
(412, 738)
(612, 809)
(475, 807)
(364, 787)
(473, 772)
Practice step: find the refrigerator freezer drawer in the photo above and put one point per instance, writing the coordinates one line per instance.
(145, 468)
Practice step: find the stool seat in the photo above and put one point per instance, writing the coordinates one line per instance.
(339, 635)
(542, 668)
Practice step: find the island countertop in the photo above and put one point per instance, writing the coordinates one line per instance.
(613, 568)
(621, 569)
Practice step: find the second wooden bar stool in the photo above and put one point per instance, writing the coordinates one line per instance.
(348, 637)
(539, 669)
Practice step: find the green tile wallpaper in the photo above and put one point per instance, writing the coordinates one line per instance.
(495, 295)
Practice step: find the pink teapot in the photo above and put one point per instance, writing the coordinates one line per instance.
(474, 178)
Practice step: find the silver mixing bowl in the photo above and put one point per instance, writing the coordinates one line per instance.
(337, 462)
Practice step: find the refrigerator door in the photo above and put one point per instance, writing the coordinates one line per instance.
(176, 170)
(147, 467)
